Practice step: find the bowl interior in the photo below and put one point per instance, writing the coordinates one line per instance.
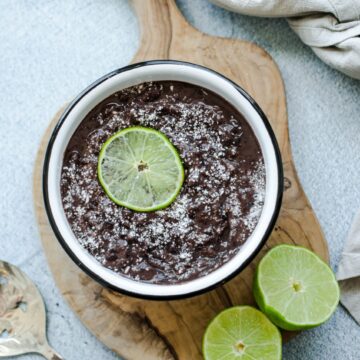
(132, 76)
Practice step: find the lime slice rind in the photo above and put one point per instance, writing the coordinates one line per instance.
(313, 299)
(140, 169)
(241, 332)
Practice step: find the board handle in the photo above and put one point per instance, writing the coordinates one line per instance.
(161, 22)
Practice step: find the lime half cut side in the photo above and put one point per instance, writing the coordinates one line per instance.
(140, 169)
(295, 288)
(241, 333)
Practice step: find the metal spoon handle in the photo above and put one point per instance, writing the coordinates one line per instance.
(48, 353)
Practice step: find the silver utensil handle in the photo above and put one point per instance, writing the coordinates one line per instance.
(50, 354)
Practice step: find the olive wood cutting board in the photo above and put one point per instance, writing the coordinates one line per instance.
(143, 329)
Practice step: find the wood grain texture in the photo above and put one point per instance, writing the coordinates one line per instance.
(138, 329)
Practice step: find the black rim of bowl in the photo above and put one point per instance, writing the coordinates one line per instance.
(97, 277)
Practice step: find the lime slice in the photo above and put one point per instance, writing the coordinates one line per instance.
(140, 169)
(241, 333)
(295, 288)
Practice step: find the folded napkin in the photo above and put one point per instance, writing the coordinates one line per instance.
(330, 27)
(348, 273)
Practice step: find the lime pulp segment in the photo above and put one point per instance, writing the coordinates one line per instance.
(295, 288)
(140, 169)
(241, 333)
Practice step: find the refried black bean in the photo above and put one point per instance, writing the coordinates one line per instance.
(217, 209)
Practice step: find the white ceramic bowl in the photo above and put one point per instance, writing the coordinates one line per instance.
(136, 74)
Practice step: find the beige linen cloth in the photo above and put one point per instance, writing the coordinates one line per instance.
(348, 273)
(330, 27)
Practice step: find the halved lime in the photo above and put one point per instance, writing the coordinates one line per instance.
(241, 333)
(295, 288)
(140, 169)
